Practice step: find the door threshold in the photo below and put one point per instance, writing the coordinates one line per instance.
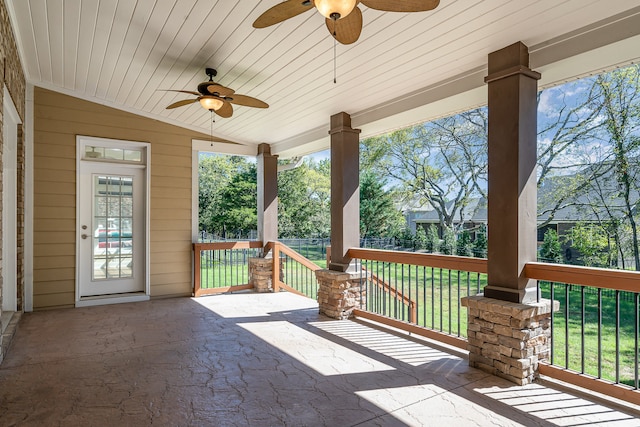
(112, 299)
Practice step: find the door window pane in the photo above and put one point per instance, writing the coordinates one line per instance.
(113, 227)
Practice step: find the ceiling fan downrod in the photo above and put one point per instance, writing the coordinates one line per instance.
(211, 72)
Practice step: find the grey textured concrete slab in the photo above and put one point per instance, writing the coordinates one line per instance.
(256, 360)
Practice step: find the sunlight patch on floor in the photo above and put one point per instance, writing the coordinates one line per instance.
(319, 354)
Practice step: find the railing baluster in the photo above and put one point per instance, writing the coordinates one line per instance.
(599, 333)
(582, 322)
(552, 295)
(433, 299)
(424, 296)
(617, 296)
(402, 292)
(566, 326)
(458, 300)
(449, 299)
(441, 302)
(637, 339)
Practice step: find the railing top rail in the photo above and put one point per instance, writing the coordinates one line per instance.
(450, 262)
(296, 256)
(621, 280)
(217, 246)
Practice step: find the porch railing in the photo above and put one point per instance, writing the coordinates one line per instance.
(222, 266)
(419, 292)
(596, 332)
(296, 272)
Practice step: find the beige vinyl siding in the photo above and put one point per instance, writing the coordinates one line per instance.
(58, 119)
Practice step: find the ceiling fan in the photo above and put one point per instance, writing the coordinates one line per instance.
(217, 98)
(343, 17)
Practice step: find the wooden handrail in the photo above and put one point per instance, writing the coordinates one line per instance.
(449, 262)
(621, 280)
(297, 257)
(217, 246)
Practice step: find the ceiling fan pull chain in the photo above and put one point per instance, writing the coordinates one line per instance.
(213, 120)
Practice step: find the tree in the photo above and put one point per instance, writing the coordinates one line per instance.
(421, 238)
(464, 244)
(433, 240)
(406, 238)
(448, 246)
(441, 163)
(597, 173)
(304, 201)
(378, 215)
(591, 241)
(215, 172)
(237, 210)
(551, 250)
(480, 243)
(619, 91)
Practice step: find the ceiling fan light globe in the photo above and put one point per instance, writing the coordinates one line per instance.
(335, 9)
(211, 103)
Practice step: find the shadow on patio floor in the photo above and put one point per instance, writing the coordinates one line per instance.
(256, 360)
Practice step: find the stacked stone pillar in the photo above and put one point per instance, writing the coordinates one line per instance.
(339, 293)
(508, 339)
(261, 274)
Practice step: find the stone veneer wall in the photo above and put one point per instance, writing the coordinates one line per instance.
(13, 79)
(340, 293)
(261, 274)
(508, 339)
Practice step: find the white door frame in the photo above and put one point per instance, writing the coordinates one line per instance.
(10, 122)
(81, 142)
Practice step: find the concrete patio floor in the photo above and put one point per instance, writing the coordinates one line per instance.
(257, 360)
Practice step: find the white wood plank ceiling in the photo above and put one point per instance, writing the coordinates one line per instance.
(121, 53)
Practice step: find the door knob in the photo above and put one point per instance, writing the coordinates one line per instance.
(84, 236)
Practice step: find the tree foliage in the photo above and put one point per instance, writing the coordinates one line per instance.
(591, 241)
(597, 157)
(551, 250)
(433, 239)
(448, 246)
(378, 215)
(464, 245)
(421, 241)
(237, 211)
(480, 242)
(304, 200)
(216, 174)
(441, 163)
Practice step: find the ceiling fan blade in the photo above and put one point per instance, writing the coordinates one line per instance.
(225, 111)
(181, 91)
(247, 101)
(401, 5)
(181, 103)
(282, 12)
(221, 90)
(346, 30)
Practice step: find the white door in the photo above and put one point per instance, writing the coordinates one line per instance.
(111, 238)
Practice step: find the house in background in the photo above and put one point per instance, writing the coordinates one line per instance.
(555, 212)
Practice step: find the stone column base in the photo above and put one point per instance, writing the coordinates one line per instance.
(339, 293)
(261, 274)
(508, 339)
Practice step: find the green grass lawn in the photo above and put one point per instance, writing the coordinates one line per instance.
(572, 336)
